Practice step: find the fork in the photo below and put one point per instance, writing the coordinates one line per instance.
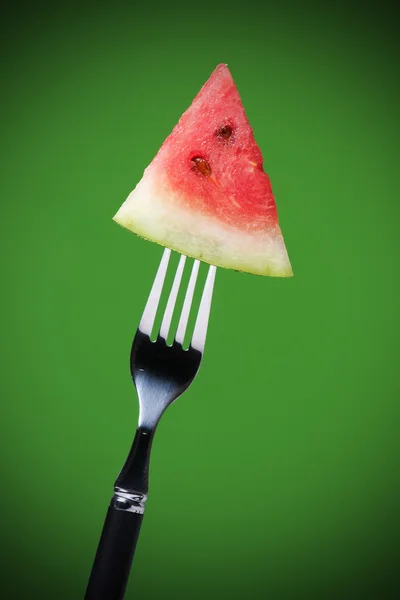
(160, 373)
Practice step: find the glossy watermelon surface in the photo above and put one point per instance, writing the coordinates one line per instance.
(206, 194)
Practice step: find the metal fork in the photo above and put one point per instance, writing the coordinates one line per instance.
(160, 373)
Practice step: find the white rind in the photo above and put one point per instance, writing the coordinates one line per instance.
(154, 211)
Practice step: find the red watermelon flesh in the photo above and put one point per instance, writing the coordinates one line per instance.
(206, 194)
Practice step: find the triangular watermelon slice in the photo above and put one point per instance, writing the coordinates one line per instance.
(205, 194)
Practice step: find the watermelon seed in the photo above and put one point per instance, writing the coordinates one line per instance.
(224, 133)
(202, 166)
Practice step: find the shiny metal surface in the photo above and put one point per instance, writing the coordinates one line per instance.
(128, 502)
(149, 313)
(161, 373)
(167, 318)
(183, 321)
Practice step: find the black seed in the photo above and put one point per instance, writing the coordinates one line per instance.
(224, 133)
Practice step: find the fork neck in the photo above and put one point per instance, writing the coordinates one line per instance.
(133, 480)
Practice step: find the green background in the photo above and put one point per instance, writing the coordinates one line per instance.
(276, 475)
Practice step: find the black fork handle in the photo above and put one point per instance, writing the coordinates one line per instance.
(112, 564)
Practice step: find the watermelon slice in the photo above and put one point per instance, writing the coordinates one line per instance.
(206, 194)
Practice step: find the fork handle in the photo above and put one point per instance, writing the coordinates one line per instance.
(112, 564)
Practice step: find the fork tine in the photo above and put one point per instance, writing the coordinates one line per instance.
(169, 309)
(200, 329)
(183, 320)
(149, 313)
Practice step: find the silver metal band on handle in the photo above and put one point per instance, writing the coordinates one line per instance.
(129, 501)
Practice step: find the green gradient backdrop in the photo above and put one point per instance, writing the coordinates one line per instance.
(275, 476)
